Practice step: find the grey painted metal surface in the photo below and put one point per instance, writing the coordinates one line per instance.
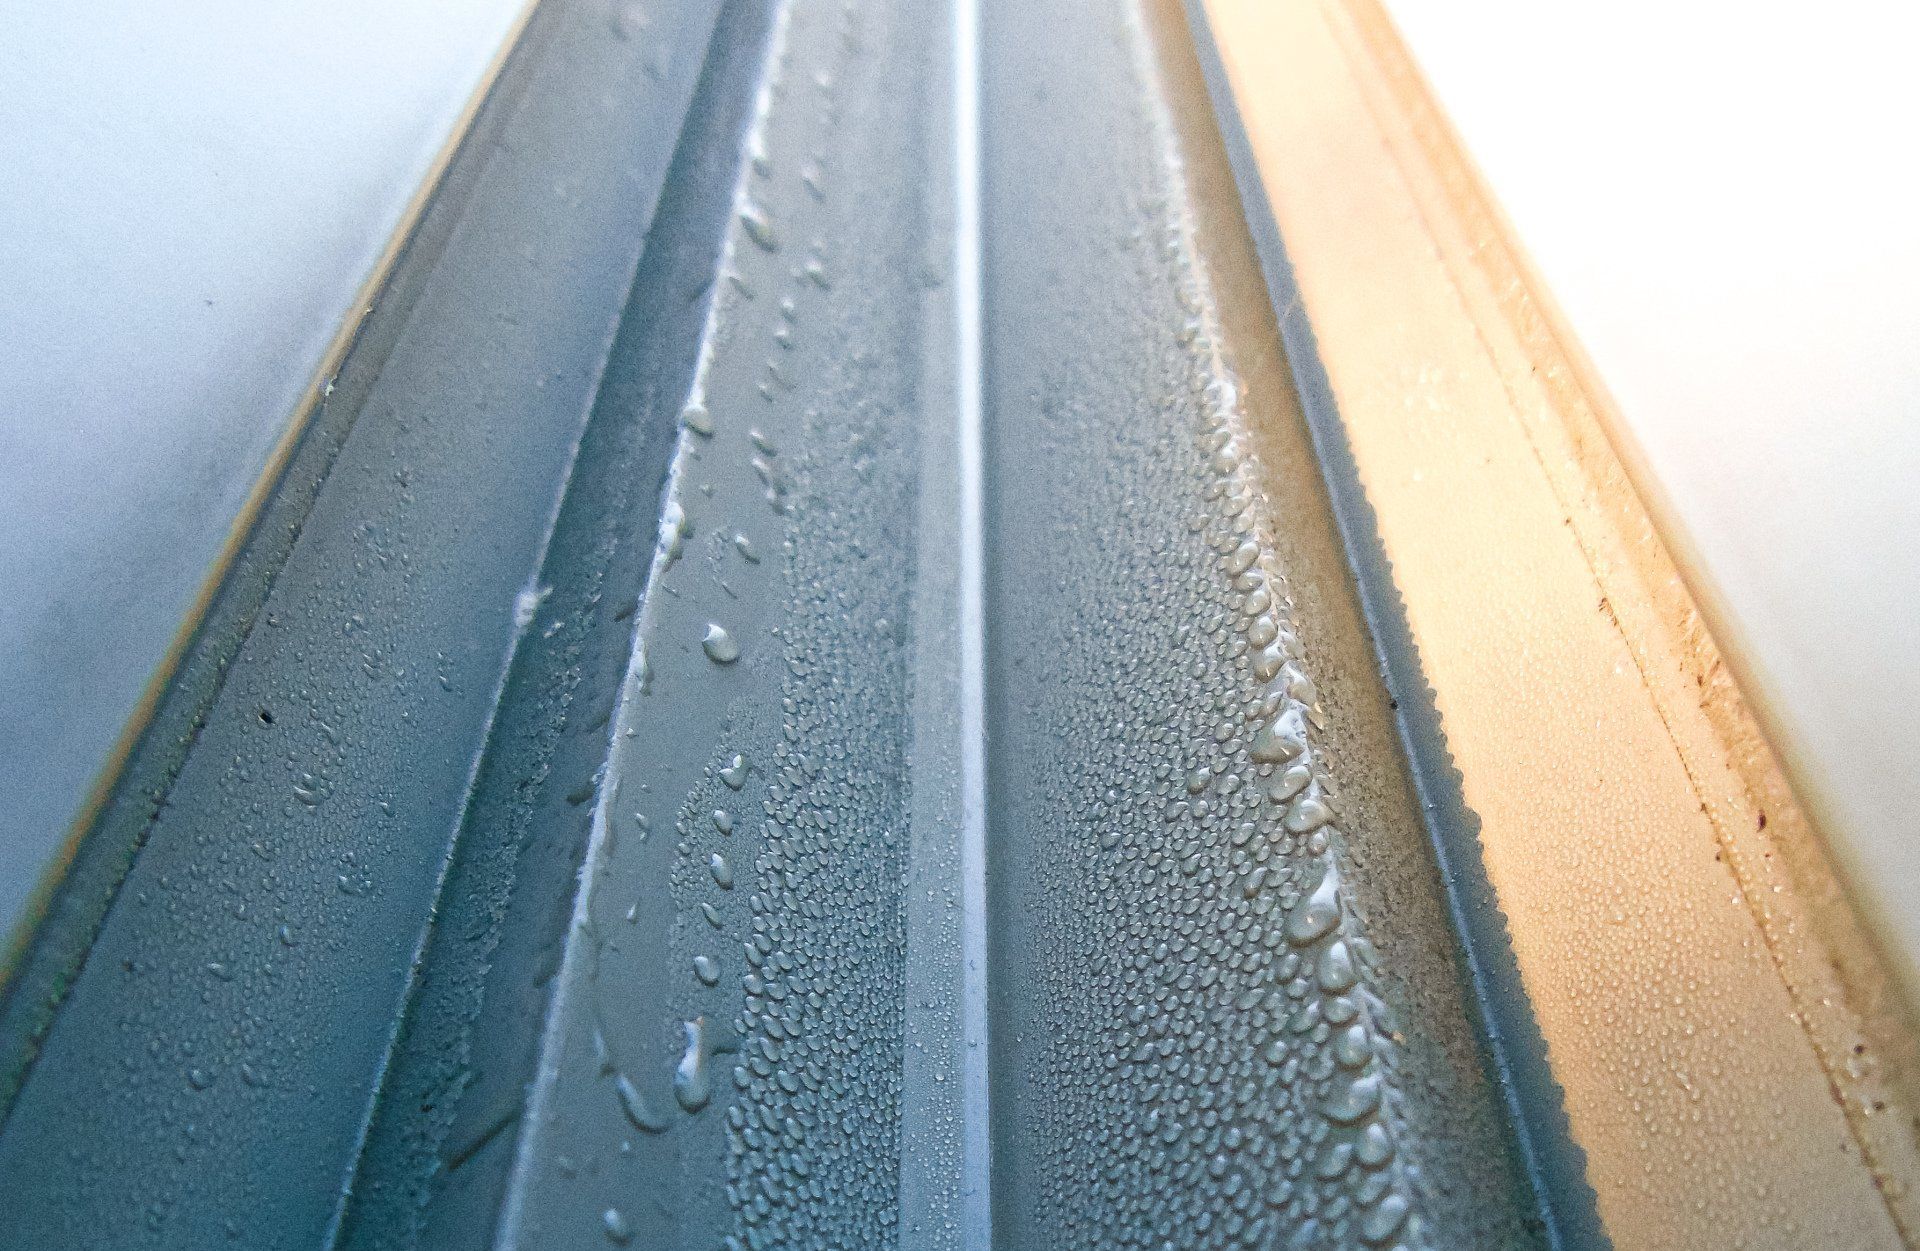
(811, 696)
(1554, 1163)
(192, 198)
(727, 1049)
(248, 975)
(1226, 1001)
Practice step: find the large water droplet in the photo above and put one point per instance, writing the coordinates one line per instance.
(691, 1085)
(1307, 815)
(1279, 740)
(719, 645)
(1381, 1223)
(1315, 916)
(760, 227)
(1336, 972)
(638, 1110)
(1357, 1100)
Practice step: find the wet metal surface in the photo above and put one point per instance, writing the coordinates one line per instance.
(1727, 1061)
(193, 199)
(1224, 1004)
(252, 964)
(844, 726)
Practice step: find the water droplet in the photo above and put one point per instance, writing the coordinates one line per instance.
(719, 645)
(1384, 1221)
(676, 528)
(527, 603)
(1375, 1148)
(690, 1078)
(638, 1110)
(1356, 1101)
(1350, 1050)
(759, 227)
(1336, 972)
(1279, 740)
(722, 871)
(706, 970)
(1315, 916)
(1307, 815)
(1290, 783)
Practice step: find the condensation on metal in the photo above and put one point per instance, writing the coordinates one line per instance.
(987, 659)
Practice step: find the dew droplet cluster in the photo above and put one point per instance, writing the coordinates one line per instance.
(1222, 1062)
(789, 923)
(1212, 1062)
(1218, 1064)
